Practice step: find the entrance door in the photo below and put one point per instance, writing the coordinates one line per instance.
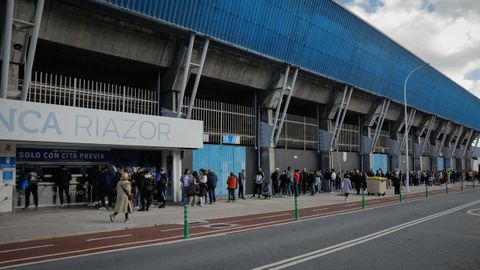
(222, 159)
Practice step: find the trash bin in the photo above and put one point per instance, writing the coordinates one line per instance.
(376, 186)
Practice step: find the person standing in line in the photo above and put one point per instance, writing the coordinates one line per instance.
(290, 182)
(31, 177)
(212, 181)
(259, 177)
(231, 186)
(283, 183)
(138, 179)
(106, 188)
(297, 177)
(333, 179)
(193, 189)
(94, 178)
(203, 187)
(124, 202)
(184, 183)
(346, 186)
(147, 191)
(241, 184)
(311, 182)
(62, 180)
(396, 183)
(162, 185)
(357, 181)
(274, 178)
(304, 180)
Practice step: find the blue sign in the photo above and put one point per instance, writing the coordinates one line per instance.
(7, 162)
(62, 155)
(230, 139)
(7, 176)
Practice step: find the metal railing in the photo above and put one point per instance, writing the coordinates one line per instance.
(77, 92)
(299, 132)
(349, 138)
(221, 118)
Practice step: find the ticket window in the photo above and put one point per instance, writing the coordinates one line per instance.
(79, 189)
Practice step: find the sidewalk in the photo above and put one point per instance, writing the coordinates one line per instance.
(50, 223)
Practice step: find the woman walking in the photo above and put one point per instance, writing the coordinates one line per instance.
(346, 186)
(124, 197)
(203, 187)
(193, 189)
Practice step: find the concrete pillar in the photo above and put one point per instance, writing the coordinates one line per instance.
(176, 174)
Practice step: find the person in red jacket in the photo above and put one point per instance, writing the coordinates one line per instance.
(297, 177)
(231, 186)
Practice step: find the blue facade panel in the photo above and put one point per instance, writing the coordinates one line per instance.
(322, 37)
(380, 161)
(222, 159)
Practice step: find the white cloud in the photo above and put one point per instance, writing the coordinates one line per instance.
(445, 33)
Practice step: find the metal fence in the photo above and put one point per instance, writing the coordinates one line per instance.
(221, 118)
(299, 132)
(349, 138)
(78, 92)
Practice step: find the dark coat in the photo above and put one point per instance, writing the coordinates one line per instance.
(212, 180)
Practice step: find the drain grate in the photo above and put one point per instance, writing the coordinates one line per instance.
(220, 225)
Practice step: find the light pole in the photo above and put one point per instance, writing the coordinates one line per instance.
(407, 130)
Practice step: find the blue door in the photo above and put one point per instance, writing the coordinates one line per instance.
(222, 159)
(380, 161)
(440, 164)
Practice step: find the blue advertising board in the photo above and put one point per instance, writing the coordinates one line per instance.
(62, 155)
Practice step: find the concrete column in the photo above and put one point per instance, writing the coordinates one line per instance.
(176, 174)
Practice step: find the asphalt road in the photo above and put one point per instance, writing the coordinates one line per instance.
(436, 239)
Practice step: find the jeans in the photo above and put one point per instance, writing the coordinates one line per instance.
(231, 194)
(332, 186)
(184, 194)
(211, 195)
(312, 188)
(103, 193)
(288, 188)
(297, 189)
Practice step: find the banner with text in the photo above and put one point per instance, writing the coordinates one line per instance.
(36, 122)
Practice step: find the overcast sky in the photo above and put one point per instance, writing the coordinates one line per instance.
(445, 33)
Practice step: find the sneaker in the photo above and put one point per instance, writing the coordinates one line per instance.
(112, 217)
(102, 208)
(127, 220)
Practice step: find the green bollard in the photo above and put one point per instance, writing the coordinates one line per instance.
(426, 189)
(400, 193)
(185, 221)
(296, 208)
(461, 185)
(473, 183)
(364, 203)
(446, 186)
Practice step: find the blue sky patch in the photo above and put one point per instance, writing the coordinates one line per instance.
(369, 6)
(428, 6)
(474, 75)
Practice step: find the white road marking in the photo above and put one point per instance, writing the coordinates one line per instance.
(325, 251)
(108, 237)
(25, 248)
(471, 212)
(321, 209)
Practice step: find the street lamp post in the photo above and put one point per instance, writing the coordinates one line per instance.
(407, 174)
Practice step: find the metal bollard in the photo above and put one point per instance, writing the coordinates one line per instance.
(296, 208)
(364, 203)
(461, 185)
(400, 193)
(185, 221)
(446, 186)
